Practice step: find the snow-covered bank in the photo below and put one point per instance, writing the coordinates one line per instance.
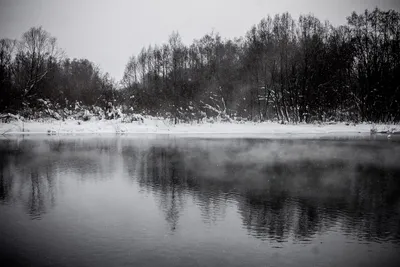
(154, 126)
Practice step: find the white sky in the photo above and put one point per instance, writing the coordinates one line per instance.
(107, 32)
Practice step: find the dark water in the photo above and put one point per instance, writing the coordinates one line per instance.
(195, 202)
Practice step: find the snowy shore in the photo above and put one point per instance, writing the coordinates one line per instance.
(154, 126)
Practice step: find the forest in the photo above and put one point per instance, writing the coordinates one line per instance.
(283, 69)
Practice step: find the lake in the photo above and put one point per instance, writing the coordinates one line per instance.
(174, 201)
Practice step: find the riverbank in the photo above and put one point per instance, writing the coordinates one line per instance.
(158, 126)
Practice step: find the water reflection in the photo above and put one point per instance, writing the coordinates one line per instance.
(5, 183)
(30, 171)
(283, 190)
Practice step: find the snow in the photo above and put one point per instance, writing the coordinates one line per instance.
(206, 129)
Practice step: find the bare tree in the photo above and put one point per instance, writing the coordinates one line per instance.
(36, 49)
(7, 49)
(131, 73)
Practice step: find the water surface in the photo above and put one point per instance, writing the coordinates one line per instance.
(136, 201)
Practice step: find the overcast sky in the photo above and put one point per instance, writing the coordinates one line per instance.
(107, 32)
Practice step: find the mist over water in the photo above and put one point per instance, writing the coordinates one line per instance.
(186, 202)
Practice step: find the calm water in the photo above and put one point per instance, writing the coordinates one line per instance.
(125, 201)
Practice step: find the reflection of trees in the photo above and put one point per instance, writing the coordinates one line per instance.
(309, 220)
(165, 171)
(266, 216)
(212, 206)
(31, 184)
(373, 208)
(28, 168)
(36, 204)
(370, 209)
(276, 199)
(5, 181)
(40, 194)
(278, 195)
(162, 170)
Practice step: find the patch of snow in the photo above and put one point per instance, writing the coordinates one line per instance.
(138, 124)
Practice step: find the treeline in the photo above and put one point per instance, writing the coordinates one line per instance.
(283, 69)
(34, 71)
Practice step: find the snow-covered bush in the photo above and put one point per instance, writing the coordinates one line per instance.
(87, 115)
(128, 118)
(7, 118)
